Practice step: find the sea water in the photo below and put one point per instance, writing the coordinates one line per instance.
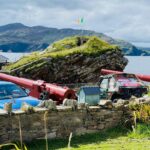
(138, 64)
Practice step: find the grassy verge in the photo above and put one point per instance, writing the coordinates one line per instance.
(112, 139)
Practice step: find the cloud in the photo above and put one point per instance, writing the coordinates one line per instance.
(127, 20)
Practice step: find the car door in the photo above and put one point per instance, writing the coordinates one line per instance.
(104, 88)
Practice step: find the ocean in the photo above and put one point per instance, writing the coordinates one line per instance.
(137, 64)
(13, 56)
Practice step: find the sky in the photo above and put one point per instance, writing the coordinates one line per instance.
(122, 19)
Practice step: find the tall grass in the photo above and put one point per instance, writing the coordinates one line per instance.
(69, 141)
(116, 137)
(45, 128)
(142, 130)
(142, 112)
(20, 132)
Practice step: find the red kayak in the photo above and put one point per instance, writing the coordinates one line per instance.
(140, 76)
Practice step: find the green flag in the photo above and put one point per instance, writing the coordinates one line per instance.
(80, 21)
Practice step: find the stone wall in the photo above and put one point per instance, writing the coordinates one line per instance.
(60, 123)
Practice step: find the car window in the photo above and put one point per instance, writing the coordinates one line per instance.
(111, 84)
(11, 90)
(126, 78)
(104, 84)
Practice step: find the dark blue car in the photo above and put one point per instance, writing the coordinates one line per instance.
(10, 92)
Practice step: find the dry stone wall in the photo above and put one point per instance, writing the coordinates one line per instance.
(60, 123)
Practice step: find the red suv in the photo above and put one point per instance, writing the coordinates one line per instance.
(121, 85)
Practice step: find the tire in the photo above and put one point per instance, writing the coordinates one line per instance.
(44, 95)
(114, 97)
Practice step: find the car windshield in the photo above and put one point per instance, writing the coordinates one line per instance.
(11, 91)
(123, 78)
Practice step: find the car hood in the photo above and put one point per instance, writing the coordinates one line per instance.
(131, 84)
(17, 102)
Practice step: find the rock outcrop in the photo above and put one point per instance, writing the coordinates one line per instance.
(74, 60)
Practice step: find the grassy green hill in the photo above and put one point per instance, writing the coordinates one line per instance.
(71, 60)
(68, 46)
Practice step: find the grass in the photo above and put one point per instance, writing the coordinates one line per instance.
(113, 139)
(142, 131)
(141, 112)
(92, 46)
(149, 91)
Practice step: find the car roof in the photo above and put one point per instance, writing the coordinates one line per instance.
(113, 75)
(5, 82)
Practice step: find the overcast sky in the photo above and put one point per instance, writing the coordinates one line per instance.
(124, 19)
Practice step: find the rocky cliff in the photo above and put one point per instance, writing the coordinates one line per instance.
(72, 60)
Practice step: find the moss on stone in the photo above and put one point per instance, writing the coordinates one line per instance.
(87, 45)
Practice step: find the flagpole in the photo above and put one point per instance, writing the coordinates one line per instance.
(81, 23)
